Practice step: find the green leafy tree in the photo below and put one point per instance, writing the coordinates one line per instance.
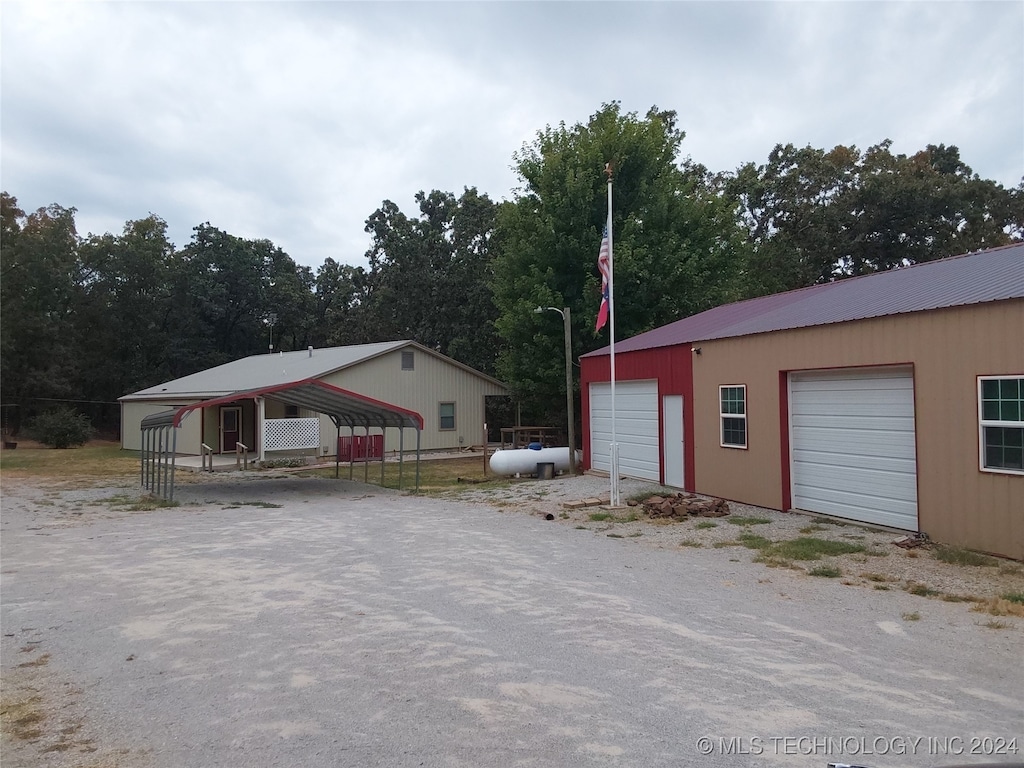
(40, 280)
(429, 276)
(676, 243)
(814, 216)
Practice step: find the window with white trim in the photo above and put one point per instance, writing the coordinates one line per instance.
(732, 401)
(446, 416)
(1001, 423)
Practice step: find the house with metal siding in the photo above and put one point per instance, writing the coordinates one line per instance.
(448, 395)
(894, 399)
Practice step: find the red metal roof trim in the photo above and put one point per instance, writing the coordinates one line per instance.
(370, 402)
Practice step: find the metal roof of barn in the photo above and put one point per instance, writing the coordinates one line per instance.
(348, 408)
(996, 274)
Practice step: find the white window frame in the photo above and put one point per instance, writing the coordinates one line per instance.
(983, 423)
(722, 416)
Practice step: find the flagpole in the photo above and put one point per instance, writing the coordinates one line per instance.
(614, 499)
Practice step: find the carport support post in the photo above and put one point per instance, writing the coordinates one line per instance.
(418, 433)
(384, 435)
(174, 456)
(352, 449)
(401, 453)
(337, 449)
(261, 428)
(366, 456)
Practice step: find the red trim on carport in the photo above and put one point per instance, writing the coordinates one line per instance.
(252, 393)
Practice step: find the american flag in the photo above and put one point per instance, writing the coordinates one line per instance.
(604, 264)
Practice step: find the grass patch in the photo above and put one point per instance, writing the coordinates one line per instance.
(772, 561)
(812, 528)
(913, 616)
(1013, 597)
(877, 577)
(753, 541)
(951, 598)
(921, 590)
(616, 536)
(994, 624)
(636, 535)
(826, 571)
(610, 517)
(828, 521)
(97, 459)
(260, 504)
(138, 503)
(1011, 569)
(999, 606)
(812, 548)
(882, 587)
(748, 520)
(961, 556)
(703, 525)
(437, 475)
(690, 543)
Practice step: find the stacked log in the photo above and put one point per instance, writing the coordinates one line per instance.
(684, 505)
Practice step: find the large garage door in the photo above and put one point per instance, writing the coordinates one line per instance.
(636, 428)
(853, 446)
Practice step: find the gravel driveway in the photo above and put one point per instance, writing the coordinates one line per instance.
(279, 621)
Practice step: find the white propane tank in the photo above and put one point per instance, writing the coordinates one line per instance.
(525, 460)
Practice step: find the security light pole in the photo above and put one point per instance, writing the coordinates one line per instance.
(567, 323)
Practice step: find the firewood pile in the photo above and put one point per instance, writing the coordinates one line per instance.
(683, 505)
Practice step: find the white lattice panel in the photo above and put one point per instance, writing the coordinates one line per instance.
(280, 434)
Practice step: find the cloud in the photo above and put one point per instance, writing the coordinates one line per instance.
(294, 121)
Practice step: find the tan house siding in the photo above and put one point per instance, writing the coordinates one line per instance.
(432, 381)
(947, 350)
(132, 415)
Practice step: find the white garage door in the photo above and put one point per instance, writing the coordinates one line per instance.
(853, 446)
(636, 428)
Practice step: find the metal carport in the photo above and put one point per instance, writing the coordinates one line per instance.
(345, 408)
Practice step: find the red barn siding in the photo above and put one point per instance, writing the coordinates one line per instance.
(671, 366)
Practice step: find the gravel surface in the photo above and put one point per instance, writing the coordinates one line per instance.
(277, 620)
(882, 566)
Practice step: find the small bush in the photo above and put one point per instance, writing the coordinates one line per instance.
(704, 524)
(827, 571)
(61, 427)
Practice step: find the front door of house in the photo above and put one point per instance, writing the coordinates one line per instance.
(230, 428)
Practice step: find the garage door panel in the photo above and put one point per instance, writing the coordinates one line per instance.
(636, 428)
(853, 445)
(860, 444)
(869, 479)
(866, 509)
(839, 464)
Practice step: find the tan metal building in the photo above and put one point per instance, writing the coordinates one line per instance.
(895, 399)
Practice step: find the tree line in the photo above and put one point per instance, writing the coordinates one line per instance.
(85, 320)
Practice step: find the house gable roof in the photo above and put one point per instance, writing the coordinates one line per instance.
(974, 278)
(275, 370)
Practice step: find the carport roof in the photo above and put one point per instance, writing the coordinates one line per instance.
(312, 394)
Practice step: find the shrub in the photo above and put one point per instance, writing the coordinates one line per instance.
(61, 427)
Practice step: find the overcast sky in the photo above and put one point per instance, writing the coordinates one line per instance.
(293, 121)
